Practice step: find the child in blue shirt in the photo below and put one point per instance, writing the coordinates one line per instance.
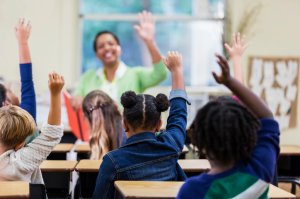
(147, 155)
(241, 142)
(28, 99)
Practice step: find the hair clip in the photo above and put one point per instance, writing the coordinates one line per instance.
(94, 108)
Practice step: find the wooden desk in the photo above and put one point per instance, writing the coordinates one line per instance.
(57, 177)
(275, 192)
(88, 166)
(60, 152)
(58, 166)
(14, 189)
(194, 165)
(88, 172)
(62, 148)
(166, 190)
(289, 150)
(82, 148)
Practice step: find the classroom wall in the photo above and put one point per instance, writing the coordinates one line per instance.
(277, 33)
(55, 38)
(53, 41)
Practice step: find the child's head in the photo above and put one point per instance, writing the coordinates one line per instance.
(142, 112)
(7, 97)
(225, 131)
(105, 123)
(16, 124)
(2, 95)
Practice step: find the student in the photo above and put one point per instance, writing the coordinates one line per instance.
(106, 130)
(116, 77)
(240, 142)
(28, 100)
(147, 155)
(19, 162)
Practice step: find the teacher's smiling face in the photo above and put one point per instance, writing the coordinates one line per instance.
(107, 49)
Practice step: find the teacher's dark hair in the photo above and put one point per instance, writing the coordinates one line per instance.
(102, 33)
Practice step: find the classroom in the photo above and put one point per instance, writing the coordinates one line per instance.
(182, 99)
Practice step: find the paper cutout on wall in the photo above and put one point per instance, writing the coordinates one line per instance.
(276, 81)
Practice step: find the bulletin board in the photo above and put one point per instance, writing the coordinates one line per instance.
(275, 80)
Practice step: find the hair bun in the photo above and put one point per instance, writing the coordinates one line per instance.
(162, 102)
(129, 99)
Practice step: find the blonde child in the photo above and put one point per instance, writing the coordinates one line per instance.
(19, 162)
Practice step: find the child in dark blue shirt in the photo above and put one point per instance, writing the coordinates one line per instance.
(241, 142)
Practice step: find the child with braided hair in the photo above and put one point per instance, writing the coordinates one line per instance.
(241, 142)
(148, 155)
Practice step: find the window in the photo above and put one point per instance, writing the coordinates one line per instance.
(193, 27)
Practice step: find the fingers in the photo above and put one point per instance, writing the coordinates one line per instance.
(228, 48)
(137, 28)
(238, 38)
(23, 24)
(145, 17)
(216, 77)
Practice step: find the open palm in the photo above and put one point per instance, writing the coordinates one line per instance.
(146, 28)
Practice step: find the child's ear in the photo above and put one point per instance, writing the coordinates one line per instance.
(158, 126)
(19, 146)
(125, 124)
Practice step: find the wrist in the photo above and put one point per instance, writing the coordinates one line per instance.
(177, 71)
(149, 41)
(22, 43)
(229, 82)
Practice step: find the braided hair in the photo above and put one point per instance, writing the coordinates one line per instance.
(143, 111)
(225, 131)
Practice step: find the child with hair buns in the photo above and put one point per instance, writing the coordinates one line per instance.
(148, 155)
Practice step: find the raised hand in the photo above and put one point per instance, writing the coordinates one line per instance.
(174, 64)
(55, 83)
(146, 28)
(22, 30)
(174, 61)
(238, 46)
(225, 77)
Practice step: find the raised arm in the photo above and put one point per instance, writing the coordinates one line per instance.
(146, 30)
(28, 100)
(35, 152)
(56, 83)
(236, 51)
(176, 124)
(253, 102)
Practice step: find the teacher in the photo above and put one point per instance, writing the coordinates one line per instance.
(116, 77)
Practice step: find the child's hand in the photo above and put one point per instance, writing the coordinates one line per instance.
(55, 83)
(238, 46)
(146, 28)
(174, 61)
(22, 30)
(225, 77)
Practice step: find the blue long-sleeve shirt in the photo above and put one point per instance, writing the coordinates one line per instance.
(146, 155)
(28, 100)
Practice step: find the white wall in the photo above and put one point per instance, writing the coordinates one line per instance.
(53, 41)
(277, 33)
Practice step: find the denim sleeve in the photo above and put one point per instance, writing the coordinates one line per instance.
(176, 124)
(28, 101)
(265, 154)
(105, 180)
